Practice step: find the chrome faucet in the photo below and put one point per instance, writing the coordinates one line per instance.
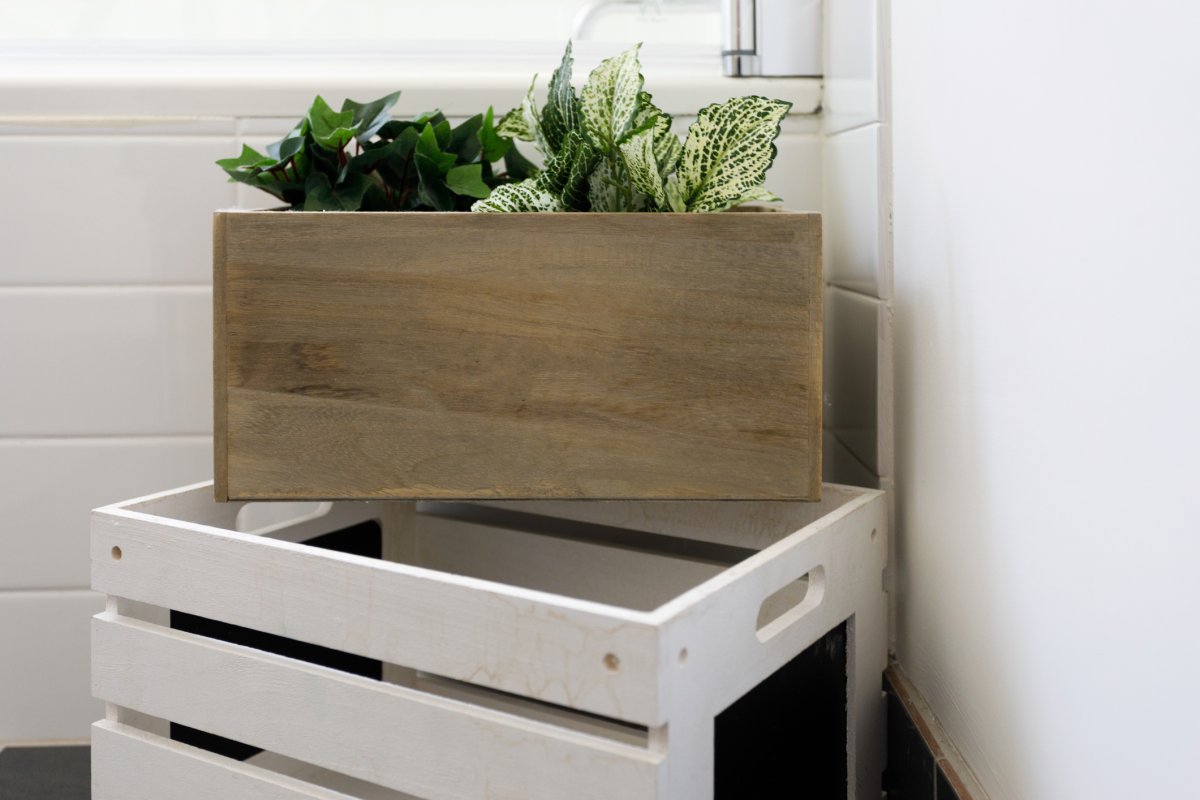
(771, 37)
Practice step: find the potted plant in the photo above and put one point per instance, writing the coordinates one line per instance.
(523, 354)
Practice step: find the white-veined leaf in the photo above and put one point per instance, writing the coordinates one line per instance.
(528, 195)
(758, 194)
(638, 153)
(675, 199)
(728, 150)
(566, 174)
(513, 125)
(561, 114)
(667, 149)
(533, 120)
(609, 100)
(609, 187)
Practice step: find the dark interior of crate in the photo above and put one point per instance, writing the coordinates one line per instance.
(785, 738)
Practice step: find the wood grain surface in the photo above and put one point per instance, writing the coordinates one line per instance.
(524, 356)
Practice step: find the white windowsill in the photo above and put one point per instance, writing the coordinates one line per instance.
(37, 87)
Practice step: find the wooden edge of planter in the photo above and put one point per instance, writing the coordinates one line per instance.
(220, 388)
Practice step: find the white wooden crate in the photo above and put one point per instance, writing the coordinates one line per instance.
(537, 650)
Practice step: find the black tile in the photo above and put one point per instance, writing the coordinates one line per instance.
(46, 773)
(944, 790)
(910, 767)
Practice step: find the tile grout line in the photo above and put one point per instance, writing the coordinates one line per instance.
(99, 438)
(104, 288)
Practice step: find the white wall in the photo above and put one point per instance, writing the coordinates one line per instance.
(1046, 282)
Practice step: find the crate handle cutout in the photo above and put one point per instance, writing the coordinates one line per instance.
(264, 518)
(784, 607)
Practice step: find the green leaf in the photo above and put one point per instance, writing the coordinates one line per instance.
(638, 152)
(331, 129)
(427, 146)
(561, 114)
(441, 130)
(518, 166)
(728, 150)
(609, 100)
(432, 189)
(243, 167)
(513, 125)
(524, 196)
(290, 144)
(373, 153)
(494, 147)
(322, 196)
(370, 117)
(464, 140)
(467, 179)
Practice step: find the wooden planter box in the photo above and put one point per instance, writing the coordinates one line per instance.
(537, 650)
(442, 355)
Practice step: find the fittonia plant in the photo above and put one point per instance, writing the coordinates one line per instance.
(609, 148)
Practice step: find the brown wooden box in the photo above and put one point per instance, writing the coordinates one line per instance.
(453, 355)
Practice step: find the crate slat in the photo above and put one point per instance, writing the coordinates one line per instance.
(551, 648)
(129, 764)
(396, 737)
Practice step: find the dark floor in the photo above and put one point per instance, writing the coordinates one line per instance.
(45, 773)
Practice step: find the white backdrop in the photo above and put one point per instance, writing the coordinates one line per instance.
(1046, 278)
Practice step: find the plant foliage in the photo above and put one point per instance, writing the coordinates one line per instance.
(359, 158)
(609, 148)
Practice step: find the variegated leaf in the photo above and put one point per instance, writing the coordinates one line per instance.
(758, 194)
(528, 195)
(609, 100)
(728, 150)
(533, 120)
(566, 174)
(667, 149)
(638, 153)
(675, 199)
(514, 126)
(610, 189)
(667, 146)
(561, 114)
(649, 115)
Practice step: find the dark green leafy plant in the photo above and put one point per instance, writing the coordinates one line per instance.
(611, 149)
(360, 159)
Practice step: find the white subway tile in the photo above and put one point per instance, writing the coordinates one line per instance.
(105, 361)
(796, 174)
(851, 95)
(851, 368)
(45, 682)
(855, 213)
(50, 485)
(119, 126)
(111, 209)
